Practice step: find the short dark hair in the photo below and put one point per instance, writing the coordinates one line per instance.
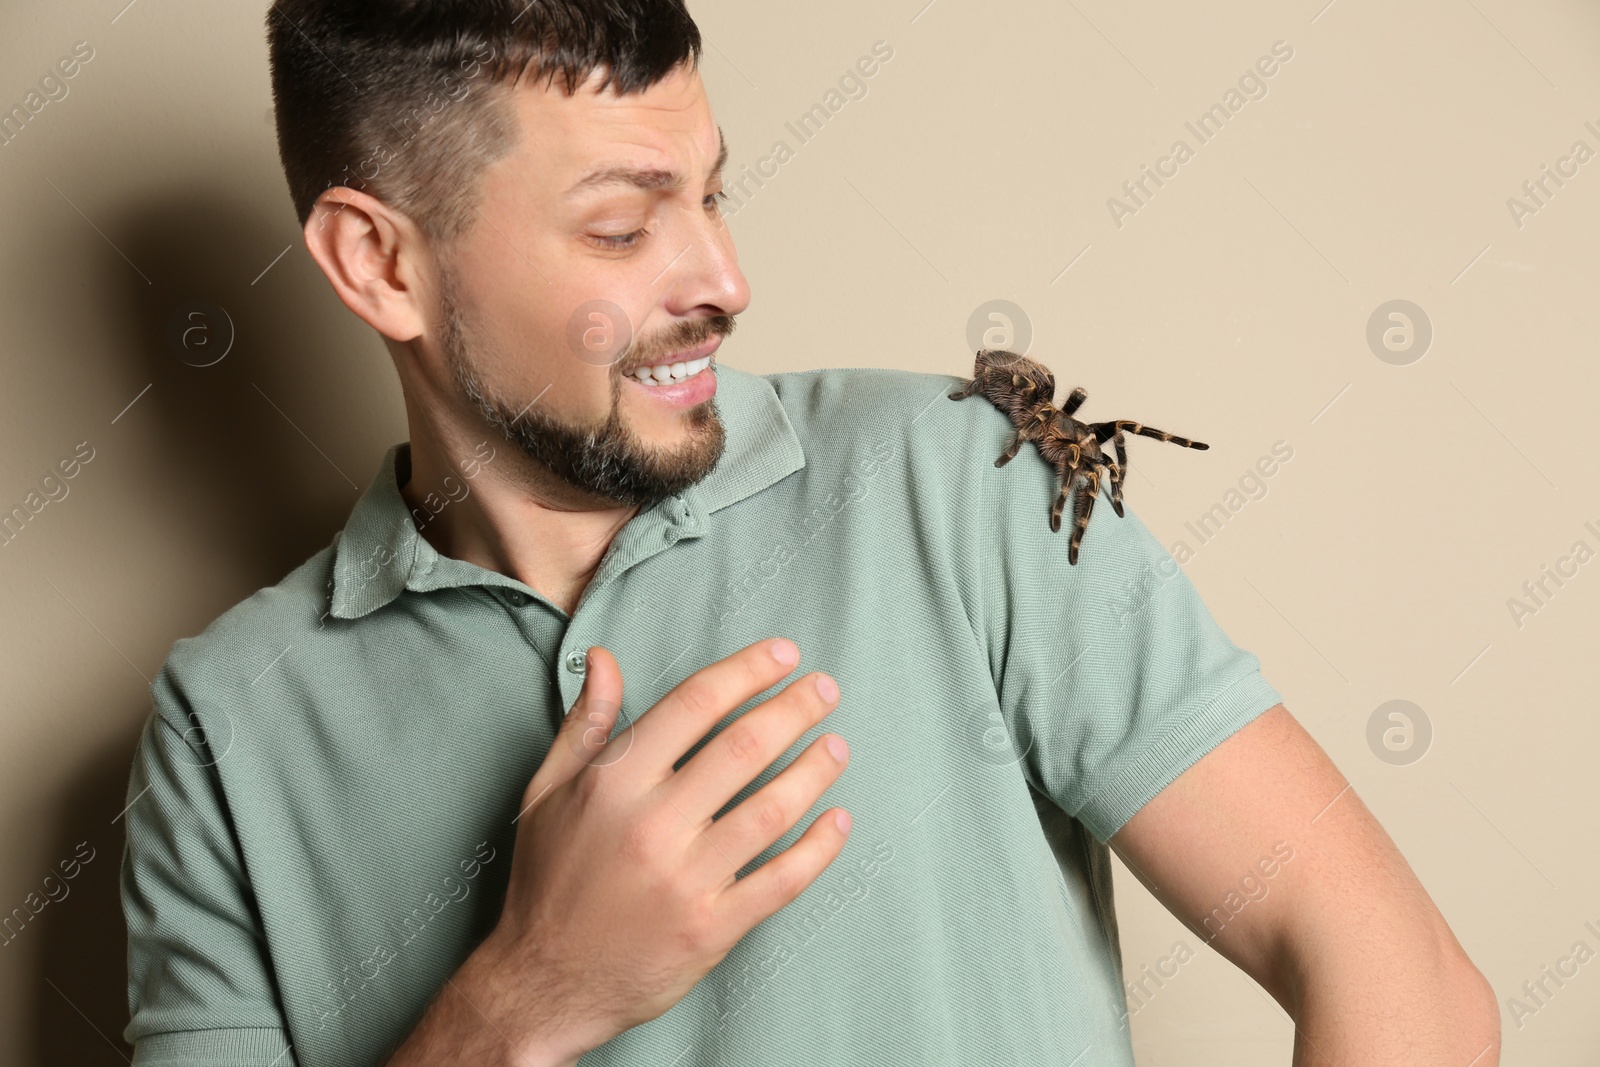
(409, 100)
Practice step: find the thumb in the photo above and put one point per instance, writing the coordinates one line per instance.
(582, 738)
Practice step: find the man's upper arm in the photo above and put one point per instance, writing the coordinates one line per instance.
(1264, 850)
(200, 988)
(1140, 718)
(1112, 674)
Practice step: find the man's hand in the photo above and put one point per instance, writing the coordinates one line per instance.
(622, 893)
(1264, 850)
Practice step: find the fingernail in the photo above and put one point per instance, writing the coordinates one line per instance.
(841, 819)
(785, 651)
(840, 750)
(826, 686)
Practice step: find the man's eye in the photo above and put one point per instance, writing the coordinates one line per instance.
(621, 241)
(624, 241)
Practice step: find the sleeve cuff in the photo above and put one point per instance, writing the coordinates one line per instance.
(251, 1047)
(1132, 785)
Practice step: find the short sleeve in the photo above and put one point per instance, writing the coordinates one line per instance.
(1112, 675)
(200, 987)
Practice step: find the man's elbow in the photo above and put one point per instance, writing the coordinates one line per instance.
(1452, 1011)
(1471, 1005)
(1390, 1000)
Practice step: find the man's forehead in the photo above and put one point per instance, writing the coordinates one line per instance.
(595, 139)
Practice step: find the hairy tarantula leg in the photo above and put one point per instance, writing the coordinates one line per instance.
(1031, 430)
(1119, 471)
(1061, 499)
(1116, 473)
(1068, 474)
(1084, 506)
(965, 391)
(1011, 450)
(1075, 401)
(1150, 431)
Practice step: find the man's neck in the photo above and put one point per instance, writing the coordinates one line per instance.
(490, 505)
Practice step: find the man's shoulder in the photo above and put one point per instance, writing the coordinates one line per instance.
(943, 452)
(242, 642)
(833, 394)
(856, 406)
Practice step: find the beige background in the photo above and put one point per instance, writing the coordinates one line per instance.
(1232, 307)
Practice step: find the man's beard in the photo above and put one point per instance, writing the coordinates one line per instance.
(608, 460)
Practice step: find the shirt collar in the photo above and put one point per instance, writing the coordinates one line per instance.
(380, 552)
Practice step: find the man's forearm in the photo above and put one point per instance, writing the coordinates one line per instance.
(479, 1018)
(1396, 1009)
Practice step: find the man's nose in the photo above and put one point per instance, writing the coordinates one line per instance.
(707, 273)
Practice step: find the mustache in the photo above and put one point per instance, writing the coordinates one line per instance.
(685, 335)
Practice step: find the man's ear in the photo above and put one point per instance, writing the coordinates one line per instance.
(373, 257)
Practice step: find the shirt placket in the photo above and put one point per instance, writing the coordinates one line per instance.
(595, 620)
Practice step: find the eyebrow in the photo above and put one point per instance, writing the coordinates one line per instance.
(648, 178)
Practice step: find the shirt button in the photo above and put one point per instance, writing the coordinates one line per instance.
(516, 597)
(576, 661)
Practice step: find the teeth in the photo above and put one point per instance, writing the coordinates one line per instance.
(663, 373)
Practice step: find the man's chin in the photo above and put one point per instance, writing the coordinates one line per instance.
(667, 430)
(634, 458)
(648, 469)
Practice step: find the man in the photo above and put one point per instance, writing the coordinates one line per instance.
(399, 807)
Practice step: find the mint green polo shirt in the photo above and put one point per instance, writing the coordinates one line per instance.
(320, 828)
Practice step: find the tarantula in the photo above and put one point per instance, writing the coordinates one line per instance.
(1024, 391)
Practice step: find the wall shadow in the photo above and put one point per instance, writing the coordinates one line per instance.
(237, 470)
(81, 995)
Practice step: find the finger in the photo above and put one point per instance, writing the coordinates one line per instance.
(696, 704)
(581, 740)
(776, 883)
(772, 811)
(747, 746)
